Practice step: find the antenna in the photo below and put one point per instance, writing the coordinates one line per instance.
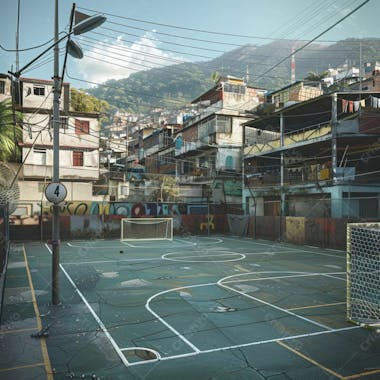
(293, 66)
(18, 36)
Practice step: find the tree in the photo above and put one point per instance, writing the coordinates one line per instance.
(10, 133)
(82, 102)
(316, 77)
(167, 189)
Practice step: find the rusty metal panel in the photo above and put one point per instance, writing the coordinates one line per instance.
(267, 227)
(295, 229)
(315, 232)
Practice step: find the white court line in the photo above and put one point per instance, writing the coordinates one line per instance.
(330, 275)
(238, 257)
(197, 350)
(171, 328)
(111, 261)
(250, 344)
(220, 283)
(277, 277)
(87, 245)
(293, 249)
(124, 243)
(276, 307)
(97, 319)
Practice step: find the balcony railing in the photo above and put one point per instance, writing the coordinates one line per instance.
(293, 176)
(309, 134)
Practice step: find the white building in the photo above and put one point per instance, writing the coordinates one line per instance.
(78, 146)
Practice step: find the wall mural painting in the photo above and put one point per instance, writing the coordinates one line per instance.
(125, 209)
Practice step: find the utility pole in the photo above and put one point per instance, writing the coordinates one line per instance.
(334, 123)
(55, 221)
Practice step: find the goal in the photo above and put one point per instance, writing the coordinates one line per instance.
(363, 273)
(146, 229)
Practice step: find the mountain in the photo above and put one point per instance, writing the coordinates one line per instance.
(173, 86)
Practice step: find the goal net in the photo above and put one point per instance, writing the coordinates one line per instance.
(238, 224)
(147, 229)
(363, 273)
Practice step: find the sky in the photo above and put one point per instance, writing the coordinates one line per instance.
(143, 34)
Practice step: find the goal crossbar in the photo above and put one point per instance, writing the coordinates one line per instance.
(146, 229)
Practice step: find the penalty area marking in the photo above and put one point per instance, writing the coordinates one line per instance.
(220, 283)
(197, 351)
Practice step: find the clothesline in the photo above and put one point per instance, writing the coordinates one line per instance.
(350, 106)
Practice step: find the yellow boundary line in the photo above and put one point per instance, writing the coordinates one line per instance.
(22, 366)
(45, 354)
(357, 376)
(349, 377)
(316, 306)
(310, 360)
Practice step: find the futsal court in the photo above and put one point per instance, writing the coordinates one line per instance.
(193, 308)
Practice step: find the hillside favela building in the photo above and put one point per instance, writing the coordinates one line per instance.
(78, 147)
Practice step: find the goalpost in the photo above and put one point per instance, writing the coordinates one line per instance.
(146, 229)
(363, 273)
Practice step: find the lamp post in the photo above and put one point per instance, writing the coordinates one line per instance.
(84, 26)
(73, 49)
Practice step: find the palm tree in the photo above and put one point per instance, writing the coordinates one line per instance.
(10, 134)
(316, 77)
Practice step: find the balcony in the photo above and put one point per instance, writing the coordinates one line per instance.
(198, 175)
(292, 177)
(188, 146)
(301, 137)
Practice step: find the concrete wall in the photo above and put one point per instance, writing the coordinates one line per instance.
(33, 191)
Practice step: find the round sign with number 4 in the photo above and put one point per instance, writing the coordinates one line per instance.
(55, 192)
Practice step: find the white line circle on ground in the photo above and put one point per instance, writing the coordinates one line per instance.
(207, 258)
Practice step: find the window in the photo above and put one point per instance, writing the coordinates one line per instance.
(229, 163)
(77, 158)
(63, 122)
(82, 127)
(39, 156)
(2, 87)
(224, 124)
(39, 91)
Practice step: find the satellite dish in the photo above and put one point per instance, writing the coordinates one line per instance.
(9, 193)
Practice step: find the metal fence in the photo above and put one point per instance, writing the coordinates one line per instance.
(4, 250)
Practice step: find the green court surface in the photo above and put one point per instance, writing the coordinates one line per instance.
(206, 308)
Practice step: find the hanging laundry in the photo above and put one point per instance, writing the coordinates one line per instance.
(344, 105)
(350, 106)
(362, 103)
(356, 105)
(374, 102)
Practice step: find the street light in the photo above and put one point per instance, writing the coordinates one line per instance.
(73, 49)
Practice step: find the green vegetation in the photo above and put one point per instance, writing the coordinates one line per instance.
(9, 132)
(83, 102)
(174, 86)
(167, 190)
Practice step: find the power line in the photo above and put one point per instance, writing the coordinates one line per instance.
(312, 40)
(211, 32)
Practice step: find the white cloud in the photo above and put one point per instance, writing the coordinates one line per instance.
(117, 60)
